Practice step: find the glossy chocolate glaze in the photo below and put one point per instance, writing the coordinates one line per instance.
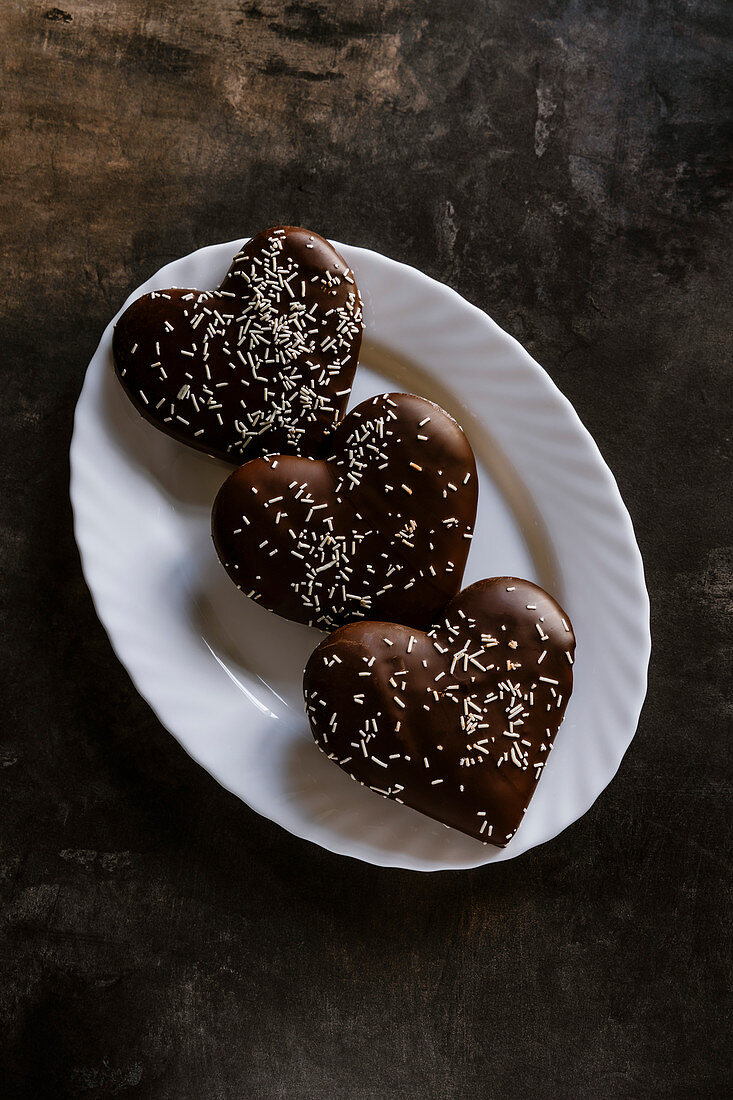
(458, 722)
(381, 529)
(263, 364)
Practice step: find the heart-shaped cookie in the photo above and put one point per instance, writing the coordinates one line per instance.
(265, 363)
(457, 722)
(380, 529)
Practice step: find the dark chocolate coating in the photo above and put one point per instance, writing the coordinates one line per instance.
(457, 723)
(381, 529)
(263, 364)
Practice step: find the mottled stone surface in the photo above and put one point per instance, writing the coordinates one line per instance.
(561, 164)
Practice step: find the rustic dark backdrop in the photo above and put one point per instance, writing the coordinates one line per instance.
(561, 164)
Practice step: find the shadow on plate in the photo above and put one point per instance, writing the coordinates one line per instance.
(248, 641)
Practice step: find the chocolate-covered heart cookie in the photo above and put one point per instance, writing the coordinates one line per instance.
(380, 529)
(457, 722)
(265, 363)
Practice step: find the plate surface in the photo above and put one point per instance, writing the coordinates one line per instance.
(224, 676)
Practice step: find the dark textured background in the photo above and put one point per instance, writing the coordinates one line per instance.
(561, 164)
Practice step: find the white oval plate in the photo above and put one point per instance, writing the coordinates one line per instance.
(224, 676)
